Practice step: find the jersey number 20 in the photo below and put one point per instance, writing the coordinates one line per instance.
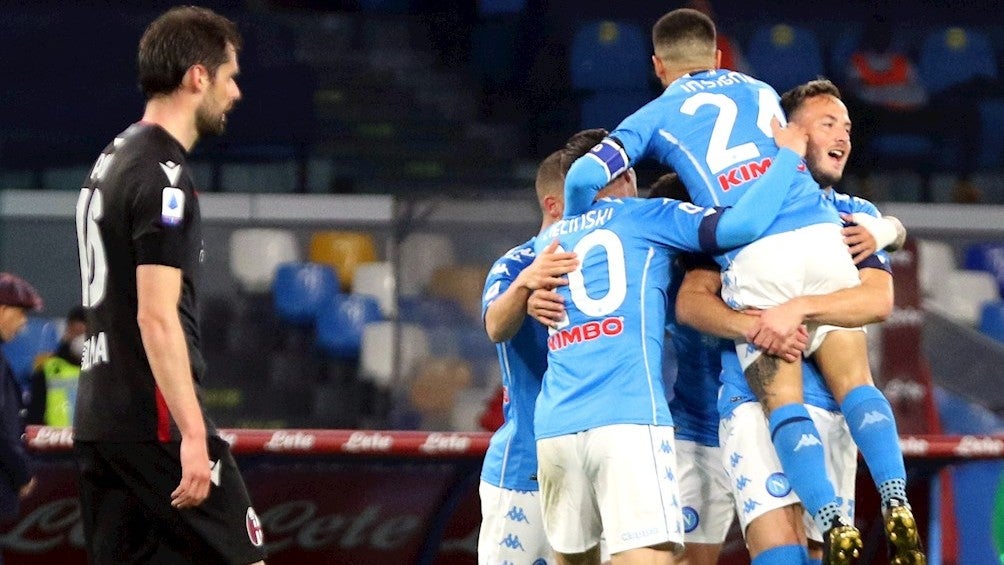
(616, 271)
(93, 263)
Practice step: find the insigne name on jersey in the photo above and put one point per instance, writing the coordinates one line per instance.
(172, 208)
(172, 170)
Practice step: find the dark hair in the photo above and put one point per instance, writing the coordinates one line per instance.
(669, 185)
(685, 32)
(550, 179)
(793, 99)
(178, 39)
(578, 145)
(76, 314)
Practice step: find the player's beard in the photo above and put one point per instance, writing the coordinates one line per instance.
(825, 178)
(210, 120)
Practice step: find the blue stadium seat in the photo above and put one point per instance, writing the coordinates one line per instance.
(992, 320)
(431, 311)
(607, 108)
(784, 55)
(609, 55)
(954, 55)
(989, 257)
(340, 323)
(38, 336)
(299, 290)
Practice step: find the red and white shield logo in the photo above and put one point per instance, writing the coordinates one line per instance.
(255, 533)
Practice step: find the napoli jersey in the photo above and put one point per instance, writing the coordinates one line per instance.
(698, 366)
(511, 459)
(735, 389)
(605, 358)
(713, 129)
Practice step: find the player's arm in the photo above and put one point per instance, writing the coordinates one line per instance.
(869, 234)
(868, 303)
(699, 306)
(158, 293)
(760, 204)
(505, 313)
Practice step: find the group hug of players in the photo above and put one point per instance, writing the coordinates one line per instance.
(761, 277)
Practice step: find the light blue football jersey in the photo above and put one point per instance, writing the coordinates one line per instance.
(511, 459)
(605, 359)
(696, 382)
(713, 128)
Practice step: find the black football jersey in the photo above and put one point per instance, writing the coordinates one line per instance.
(138, 206)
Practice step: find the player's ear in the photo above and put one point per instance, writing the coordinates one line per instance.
(718, 58)
(196, 78)
(552, 205)
(660, 69)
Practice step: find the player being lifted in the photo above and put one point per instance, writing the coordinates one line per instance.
(711, 127)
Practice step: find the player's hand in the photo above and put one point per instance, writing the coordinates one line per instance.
(549, 268)
(27, 488)
(195, 473)
(776, 327)
(860, 242)
(546, 306)
(792, 136)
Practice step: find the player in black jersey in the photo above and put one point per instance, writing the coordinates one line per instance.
(158, 484)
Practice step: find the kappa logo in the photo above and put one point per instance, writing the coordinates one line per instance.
(742, 482)
(500, 269)
(669, 474)
(172, 170)
(493, 290)
(734, 459)
(512, 542)
(214, 472)
(516, 514)
(807, 440)
(665, 446)
(750, 506)
(873, 417)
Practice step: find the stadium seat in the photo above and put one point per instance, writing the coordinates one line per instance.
(961, 295)
(607, 108)
(255, 253)
(377, 280)
(431, 311)
(299, 290)
(376, 356)
(609, 55)
(420, 254)
(954, 55)
(989, 257)
(784, 55)
(340, 323)
(935, 260)
(343, 250)
(39, 336)
(462, 283)
(435, 387)
(992, 320)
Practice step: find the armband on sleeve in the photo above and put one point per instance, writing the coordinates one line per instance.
(611, 155)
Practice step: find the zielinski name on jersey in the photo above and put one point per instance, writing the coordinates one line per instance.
(95, 351)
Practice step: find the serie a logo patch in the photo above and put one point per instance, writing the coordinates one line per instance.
(172, 207)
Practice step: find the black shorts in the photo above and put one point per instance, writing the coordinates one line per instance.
(125, 498)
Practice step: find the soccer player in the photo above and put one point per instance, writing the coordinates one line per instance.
(157, 483)
(710, 127)
(771, 522)
(606, 462)
(511, 527)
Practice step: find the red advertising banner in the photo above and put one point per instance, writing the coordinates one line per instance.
(351, 496)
